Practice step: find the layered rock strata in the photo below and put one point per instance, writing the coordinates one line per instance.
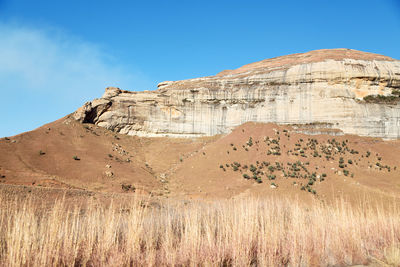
(325, 88)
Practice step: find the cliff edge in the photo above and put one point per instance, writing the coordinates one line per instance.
(354, 91)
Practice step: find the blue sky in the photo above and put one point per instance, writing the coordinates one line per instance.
(56, 55)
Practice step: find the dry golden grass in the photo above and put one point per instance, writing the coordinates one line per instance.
(268, 232)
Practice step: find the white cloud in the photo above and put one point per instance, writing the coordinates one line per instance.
(49, 60)
(53, 71)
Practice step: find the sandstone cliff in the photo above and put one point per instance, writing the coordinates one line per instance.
(325, 88)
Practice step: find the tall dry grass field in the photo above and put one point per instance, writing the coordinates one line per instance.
(268, 232)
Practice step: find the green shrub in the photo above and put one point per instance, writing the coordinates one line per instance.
(390, 99)
(128, 187)
(253, 168)
(250, 142)
(396, 92)
(271, 168)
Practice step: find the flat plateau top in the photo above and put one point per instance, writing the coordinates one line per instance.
(309, 57)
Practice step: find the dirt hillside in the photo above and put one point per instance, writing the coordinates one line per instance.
(255, 159)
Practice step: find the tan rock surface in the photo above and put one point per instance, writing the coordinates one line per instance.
(323, 89)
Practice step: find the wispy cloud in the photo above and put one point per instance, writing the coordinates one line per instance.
(46, 73)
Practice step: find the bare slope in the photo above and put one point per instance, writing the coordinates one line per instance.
(255, 158)
(203, 167)
(68, 154)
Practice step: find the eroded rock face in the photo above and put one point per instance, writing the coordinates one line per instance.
(323, 87)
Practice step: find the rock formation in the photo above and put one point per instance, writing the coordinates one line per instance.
(323, 88)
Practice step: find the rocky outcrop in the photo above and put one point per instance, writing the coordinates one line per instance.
(323, 87)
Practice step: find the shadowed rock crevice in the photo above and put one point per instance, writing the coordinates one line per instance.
(96, 112)
(91, 111)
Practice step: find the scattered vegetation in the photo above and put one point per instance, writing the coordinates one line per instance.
(393, 98)
(76, 158)
(299, 168)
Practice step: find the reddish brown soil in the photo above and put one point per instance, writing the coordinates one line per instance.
(105, 160)
(309, 57)
(190, 168)
(201, 175)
